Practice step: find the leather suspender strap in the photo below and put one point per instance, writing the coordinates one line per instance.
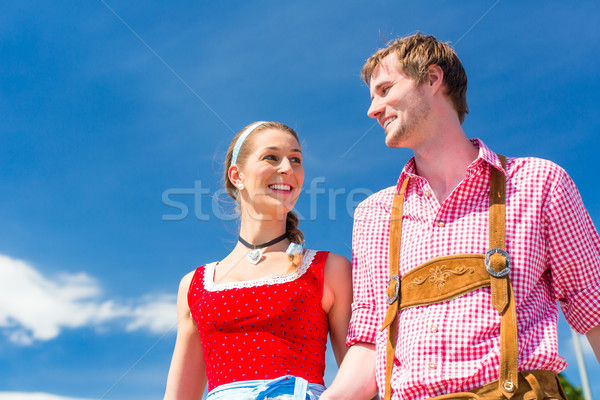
(503, 300)
(472, 267)
(393, 291)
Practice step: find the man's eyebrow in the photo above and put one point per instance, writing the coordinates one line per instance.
(378, 87)
(380, 84)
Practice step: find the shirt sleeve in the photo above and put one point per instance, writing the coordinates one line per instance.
(574, 255)
(363, 326)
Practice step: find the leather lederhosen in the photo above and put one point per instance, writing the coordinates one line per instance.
(448, 277)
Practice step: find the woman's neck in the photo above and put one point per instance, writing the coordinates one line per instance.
(257, 231)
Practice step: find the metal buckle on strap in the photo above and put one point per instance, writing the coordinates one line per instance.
(391, 300)
(490, 270)
(508, 386)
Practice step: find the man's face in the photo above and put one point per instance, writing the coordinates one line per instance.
(398, 104)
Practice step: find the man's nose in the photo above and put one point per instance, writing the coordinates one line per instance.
(376, 108)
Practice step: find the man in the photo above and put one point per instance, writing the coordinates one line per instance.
(519, 223)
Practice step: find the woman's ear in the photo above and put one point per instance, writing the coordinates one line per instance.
(236, 177)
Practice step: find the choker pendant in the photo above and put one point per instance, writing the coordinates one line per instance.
(255, 255)
(256, 252)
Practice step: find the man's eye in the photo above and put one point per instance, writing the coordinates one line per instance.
(385, 89)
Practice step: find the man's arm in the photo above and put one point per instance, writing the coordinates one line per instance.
(593, 336)
(574, 258)
(356, 375)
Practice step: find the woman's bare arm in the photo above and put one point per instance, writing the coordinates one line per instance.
(187, 374)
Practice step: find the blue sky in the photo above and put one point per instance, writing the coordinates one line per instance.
(115, 117)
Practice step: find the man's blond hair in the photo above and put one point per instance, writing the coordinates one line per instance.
(415, 54)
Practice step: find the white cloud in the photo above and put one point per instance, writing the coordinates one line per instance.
(34, 396)
(157, 314)
(36, 307)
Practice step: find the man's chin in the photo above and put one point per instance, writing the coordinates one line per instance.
(397, 140)
(393, 143)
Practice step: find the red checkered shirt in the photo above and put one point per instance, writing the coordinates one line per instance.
(453, 346)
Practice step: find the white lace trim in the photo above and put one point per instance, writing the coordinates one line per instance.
(210, 285)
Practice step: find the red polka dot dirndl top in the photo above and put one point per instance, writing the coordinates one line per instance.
(262, 329)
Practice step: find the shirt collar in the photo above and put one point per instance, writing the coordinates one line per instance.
(484, 158)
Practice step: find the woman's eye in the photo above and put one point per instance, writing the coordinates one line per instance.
(270, 157)
(296, 160)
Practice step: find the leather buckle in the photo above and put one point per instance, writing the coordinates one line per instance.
(391, 300)
(490, 270)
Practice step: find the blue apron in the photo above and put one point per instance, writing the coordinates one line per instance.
(283, 388)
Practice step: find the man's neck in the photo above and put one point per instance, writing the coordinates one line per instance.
(444, 161)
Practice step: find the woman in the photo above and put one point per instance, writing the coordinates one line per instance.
(254, 325)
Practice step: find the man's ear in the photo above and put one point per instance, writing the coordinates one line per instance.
(235, 175)
(435, 78)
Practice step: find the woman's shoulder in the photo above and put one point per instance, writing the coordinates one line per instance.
(331, 261)
(187, 279)
(337, 282)
(337, 263)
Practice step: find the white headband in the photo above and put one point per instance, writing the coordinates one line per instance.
(242, 138)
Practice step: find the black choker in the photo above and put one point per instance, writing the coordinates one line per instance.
(256, 253)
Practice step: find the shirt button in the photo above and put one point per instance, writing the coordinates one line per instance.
(441, 223)
(434, 329)
(427, 193)
(432, 366)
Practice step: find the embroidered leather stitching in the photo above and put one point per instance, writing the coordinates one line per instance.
(439, 275)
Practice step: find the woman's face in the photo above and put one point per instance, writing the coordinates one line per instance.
(272, 174)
